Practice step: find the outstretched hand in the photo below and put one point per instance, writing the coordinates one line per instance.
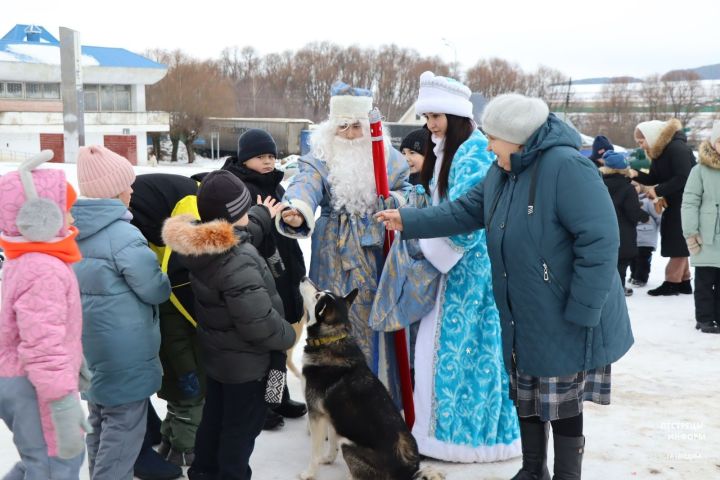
(293, 217)
(273, 206)
(391, 219)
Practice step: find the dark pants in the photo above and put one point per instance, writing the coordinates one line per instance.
(707, 295)
(623, 264)
(640, 265)
(232, 418)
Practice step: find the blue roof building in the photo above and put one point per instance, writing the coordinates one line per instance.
(114, 81)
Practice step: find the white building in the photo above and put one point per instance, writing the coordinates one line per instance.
(114, 82)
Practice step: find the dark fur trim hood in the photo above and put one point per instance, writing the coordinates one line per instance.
(668, 132)
(612, 171)
(186, 236)
(708, 156)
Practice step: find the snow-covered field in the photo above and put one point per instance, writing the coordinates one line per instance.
(664, 422)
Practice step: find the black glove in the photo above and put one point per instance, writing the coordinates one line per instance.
(277, 267)
(276, 379)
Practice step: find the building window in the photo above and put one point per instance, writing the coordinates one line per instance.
(107, 98)
(122, 98)
(91, 98)
(13, 90)
(51, 91)
(33, 90)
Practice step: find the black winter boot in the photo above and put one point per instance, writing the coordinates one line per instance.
(273, 420)
(568, 457)
(707, 327)
(534, 437)
(290, 408)
(151, 466)
(685, 287)
(667, 288)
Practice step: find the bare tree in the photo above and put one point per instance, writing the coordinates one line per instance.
(682, 91)
(191, 91)
(495, 76)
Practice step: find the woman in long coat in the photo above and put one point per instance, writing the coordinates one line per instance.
(665, 144)
(553, 241)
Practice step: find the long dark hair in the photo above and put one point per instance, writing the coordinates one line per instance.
(459, 129)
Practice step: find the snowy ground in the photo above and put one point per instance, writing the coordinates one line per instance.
(663, 423)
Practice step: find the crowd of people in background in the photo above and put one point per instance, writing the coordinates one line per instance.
(188, 288)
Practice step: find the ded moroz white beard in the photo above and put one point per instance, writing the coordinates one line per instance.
(351, 177)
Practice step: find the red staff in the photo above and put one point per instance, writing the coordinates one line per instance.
(383, 190)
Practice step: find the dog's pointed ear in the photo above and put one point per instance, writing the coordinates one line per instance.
(350, 297)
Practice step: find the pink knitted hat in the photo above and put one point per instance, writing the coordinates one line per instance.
(103, 173)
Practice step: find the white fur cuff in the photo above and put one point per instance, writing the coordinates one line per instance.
(304, 230)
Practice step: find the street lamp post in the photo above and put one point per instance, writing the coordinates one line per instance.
(450, 44)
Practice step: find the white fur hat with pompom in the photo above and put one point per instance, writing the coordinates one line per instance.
(443, 95)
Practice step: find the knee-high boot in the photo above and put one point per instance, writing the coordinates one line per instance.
(568, 457)
(534, 438)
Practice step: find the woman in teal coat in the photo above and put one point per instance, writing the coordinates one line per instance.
(553, 241)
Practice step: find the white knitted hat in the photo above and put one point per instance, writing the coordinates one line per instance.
(651, 130)
(715, 134)
(443, 95)
(513, 117)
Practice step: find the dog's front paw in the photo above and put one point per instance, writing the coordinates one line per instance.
(307, 475)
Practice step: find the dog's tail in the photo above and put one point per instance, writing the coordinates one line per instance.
(429, 473)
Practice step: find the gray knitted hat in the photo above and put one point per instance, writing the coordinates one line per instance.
(513, 117)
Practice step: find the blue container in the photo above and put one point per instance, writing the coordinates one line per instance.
(304, 142)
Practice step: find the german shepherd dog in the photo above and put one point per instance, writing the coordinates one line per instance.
(347, 404)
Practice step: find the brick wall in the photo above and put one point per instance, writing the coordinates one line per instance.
(125, 145)
(31, 105)
(54, 142)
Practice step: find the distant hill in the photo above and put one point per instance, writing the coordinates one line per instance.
(602, 80)
(707, 72)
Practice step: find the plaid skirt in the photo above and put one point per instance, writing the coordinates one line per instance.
(554, 398)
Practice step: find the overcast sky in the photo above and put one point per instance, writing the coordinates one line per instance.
(579, 37)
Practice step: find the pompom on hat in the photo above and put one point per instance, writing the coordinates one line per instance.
(348, 103)
(443, 95)
(103, 173)
(513, 117)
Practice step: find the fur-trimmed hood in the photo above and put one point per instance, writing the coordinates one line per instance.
(612, 171)
(186, 236)
(666, 135)
(708, 156)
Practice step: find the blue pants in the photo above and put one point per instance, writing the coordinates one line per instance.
(114, 445)
(20, 412)
(233, 417)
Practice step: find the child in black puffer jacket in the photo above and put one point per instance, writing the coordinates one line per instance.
(255, 166)
(241, 330)
(627, 208)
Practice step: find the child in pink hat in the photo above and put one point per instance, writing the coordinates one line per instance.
(120, 285)
(40, 323)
